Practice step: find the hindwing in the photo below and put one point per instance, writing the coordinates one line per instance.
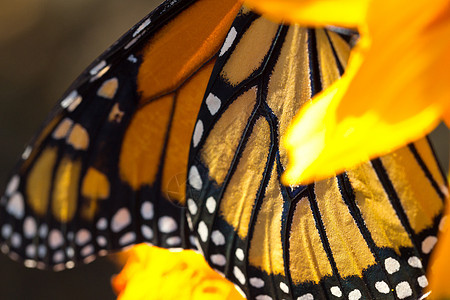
(364, 234)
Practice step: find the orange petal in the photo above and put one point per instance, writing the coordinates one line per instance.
(439, 269)
(446, 118)
(155, 273)
(348, 13)
(394, 91)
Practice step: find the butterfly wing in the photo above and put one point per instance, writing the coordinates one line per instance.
(107, 169)
(364, 234)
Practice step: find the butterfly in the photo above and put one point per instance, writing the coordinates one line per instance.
(172, 137)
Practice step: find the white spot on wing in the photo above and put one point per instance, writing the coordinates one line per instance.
(43, 230)
(217, 238)
(121, 219)
(58, 257)
(16, 206)
(127, 238)
(284, 287)
(173, 241)
(403, 290)
(94, 71)
(142, 27)
(30, 263)
(89, 259)
(192, 207)
(70, 252)
(147, 211)
(423, 281)
(211, 205)
(189, 221)
(428, 244)
(132, 59)
(147, 232)
(203, 231)
(213, 103)
(354, 295)
(42, 251)
(30, 251)
(55, 239)
(12, 186)
(101, 241)
(29, 227)
(102, 224)
(415, 262)
(101, 72)
(306, 297)
(239, 275)
(26, 153)
(83, 236)
(336, 291)
(71, 101)
(263, 297)
(16, 240)
(167, 224)
(218, 260)
(391, 265)
(131, 43)
(194, 178)
(87, 250)
(240, 254)
(198, 133)
(256, 282)
(228, 41)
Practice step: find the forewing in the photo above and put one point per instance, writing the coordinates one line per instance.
(107, 170)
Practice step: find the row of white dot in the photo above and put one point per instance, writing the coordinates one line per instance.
(210, 204)
(119, 221)
(403, 289)
(213, 103)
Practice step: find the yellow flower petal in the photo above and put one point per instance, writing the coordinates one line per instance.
(348, 13)
(155, 273)
(394, 91)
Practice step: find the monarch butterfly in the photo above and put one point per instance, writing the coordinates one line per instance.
(103, 172)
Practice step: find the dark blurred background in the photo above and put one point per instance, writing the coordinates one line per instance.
(44, 45)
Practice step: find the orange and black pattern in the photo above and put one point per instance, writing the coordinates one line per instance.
(364, 234)
(172, 137)
(103, 171)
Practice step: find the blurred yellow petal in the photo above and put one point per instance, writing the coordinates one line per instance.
(348, 13)
(394, 91)
(155, 273)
